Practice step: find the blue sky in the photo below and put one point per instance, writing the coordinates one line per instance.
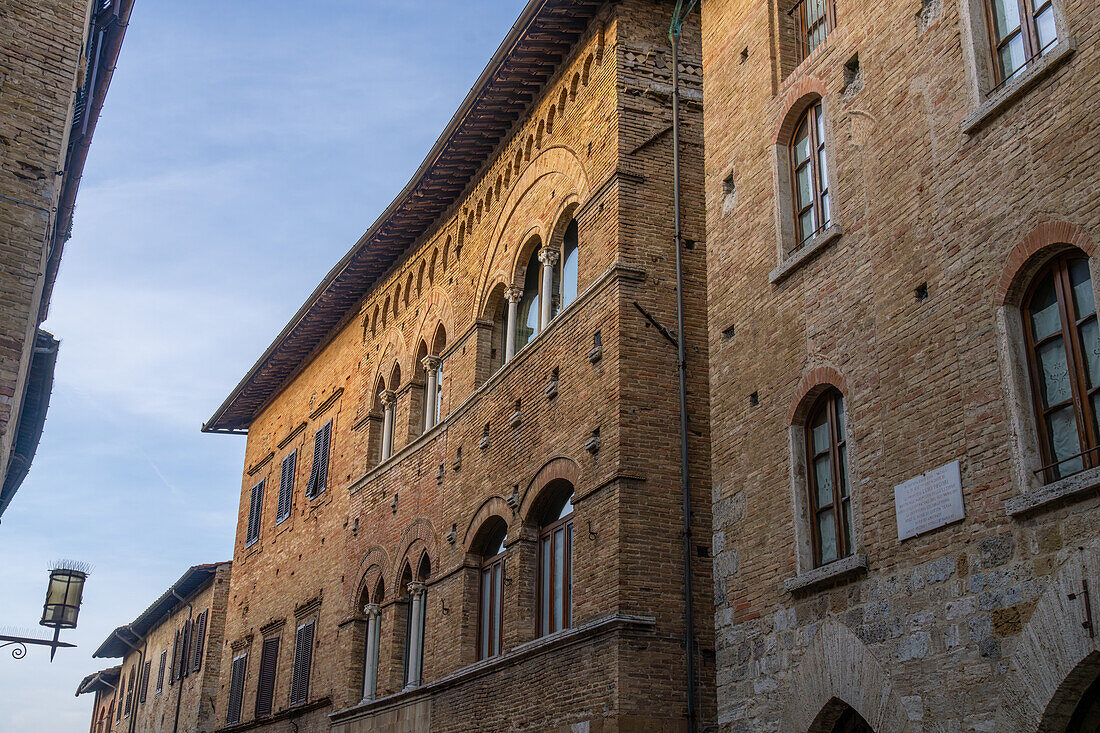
(244, 147)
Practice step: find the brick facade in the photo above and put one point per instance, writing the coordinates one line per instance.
(563, 414)
(948, 194)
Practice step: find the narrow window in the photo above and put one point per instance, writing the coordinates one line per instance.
(185, 647)
(265, 693)
(556, 569)
(809, 175)
(1064, 358)
(827, 465)
(570, 263)
(1020, 31)
(236, 688)
(175, 659)
(527, 321)
(815, 20)
(255, 511)
(286, 487)
(318, 475)
(197, 642)
(146, 670)
(303, 660)
(491, 591)
(130, 690)
(160, 670)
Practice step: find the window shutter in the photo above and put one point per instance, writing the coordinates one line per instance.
(255, 511)
(303, 658)
(145, 680)
(315, 469)
(197, 642)
(185, 649)
(236, 689)
(160, 670)
(286, 487)
(130, 690)
(265, 694)
(322, 477)
(175, 658)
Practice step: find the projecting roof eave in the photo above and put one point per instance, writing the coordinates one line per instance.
(538, 41)
(105, 679)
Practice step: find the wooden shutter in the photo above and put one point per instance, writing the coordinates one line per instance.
(175, 658)
(303, 659)
(255, 513)
(265, 693)
(197, 642)
(145, 680)
(286, 487)
(160, 670)
(185, 648)
(130, 690)
(322, 475)
(236, 688)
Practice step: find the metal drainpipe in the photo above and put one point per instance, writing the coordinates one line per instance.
(681, 359)
(179, 689)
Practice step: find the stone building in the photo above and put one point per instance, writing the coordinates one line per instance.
(903, 219)
(56, 61)
(171, 660)
(461, 503)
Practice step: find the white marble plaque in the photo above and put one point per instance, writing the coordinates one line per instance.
(928, 501)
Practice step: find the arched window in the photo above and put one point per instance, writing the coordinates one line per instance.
(490, 613)
(830, 501)
(372, 609)
(527, 321)
(439, 344)
(1063, 351)
(809, 175)
(555, 587)
(570, 258)
(415, 621)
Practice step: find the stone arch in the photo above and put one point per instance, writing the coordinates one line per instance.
(560, 468)
(795, 101)
(494, 506)
(1032, 251)
(810, 387)
(1053, 654)
(417, 540)
(838, 666)
(374, 566)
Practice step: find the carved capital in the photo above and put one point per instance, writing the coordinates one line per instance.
(549, 257)
(388, 397)
(513, 294)
(431, 362)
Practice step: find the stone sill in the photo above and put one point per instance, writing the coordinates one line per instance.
(827, 574)
(284, 714)
(1062, 49)
(568, 637)
(806, 252)
(1070, 488)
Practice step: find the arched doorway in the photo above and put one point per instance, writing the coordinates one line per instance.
(1086, 717)
(839, 717)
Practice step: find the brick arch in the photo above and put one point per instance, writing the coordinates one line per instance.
(485, 310)
(565, 213)
(812, 384)
(436, 311)
(837, 666)
(494, 506)
(1026, 256)
(374, 565)
(795, 102)
(1053, 655)
(393, 350)
(554, 469)
(417, 539)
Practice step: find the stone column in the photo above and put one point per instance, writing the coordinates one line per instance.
(370, 675)
(389, 399)
(431, 367)
(416, 637)
(513, 296)
(548, 258)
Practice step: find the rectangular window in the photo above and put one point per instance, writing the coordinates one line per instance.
(286, 487)
(145, 680)
(175, 659)
(1020, 30)
(197, 642)
(303, 660)
(160, 670)
(815, 18)
(236, 688)
(265, 693)
(255, 513)
(318, 475)
(185, 646)
(130, 691)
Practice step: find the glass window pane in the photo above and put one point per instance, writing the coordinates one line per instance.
(840, 424)
(823, 477)
(826, 213)
(1043, 310)
(568, 600)
(847, 514)
(826, 529)
(804, 186)
(819, 120)
(494, 638)
(822, 170)
(1012, 56)
(1090, 347)
(1054, 372)
(544, 589)
(802, 145)
(569, 277)
(1044, 24)
(1006, 17)
(806, 226)
(1083, 300)
(1062, 430)
(842, 460)
(814, 10)
(819, 433)
(559, 576)
(486, 589)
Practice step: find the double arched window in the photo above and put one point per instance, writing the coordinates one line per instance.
(1063, 349)
(491, 588)
(830, 500)
(809, 175)
(555, 586)
(550, 283)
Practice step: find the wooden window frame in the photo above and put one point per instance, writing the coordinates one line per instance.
(496, 605)
(1028, 29)
(844, 545)
(1080, 394)
(818, 150)
(828, 19)
(546, 578)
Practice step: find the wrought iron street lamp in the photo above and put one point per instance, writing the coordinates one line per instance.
(60, 611)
